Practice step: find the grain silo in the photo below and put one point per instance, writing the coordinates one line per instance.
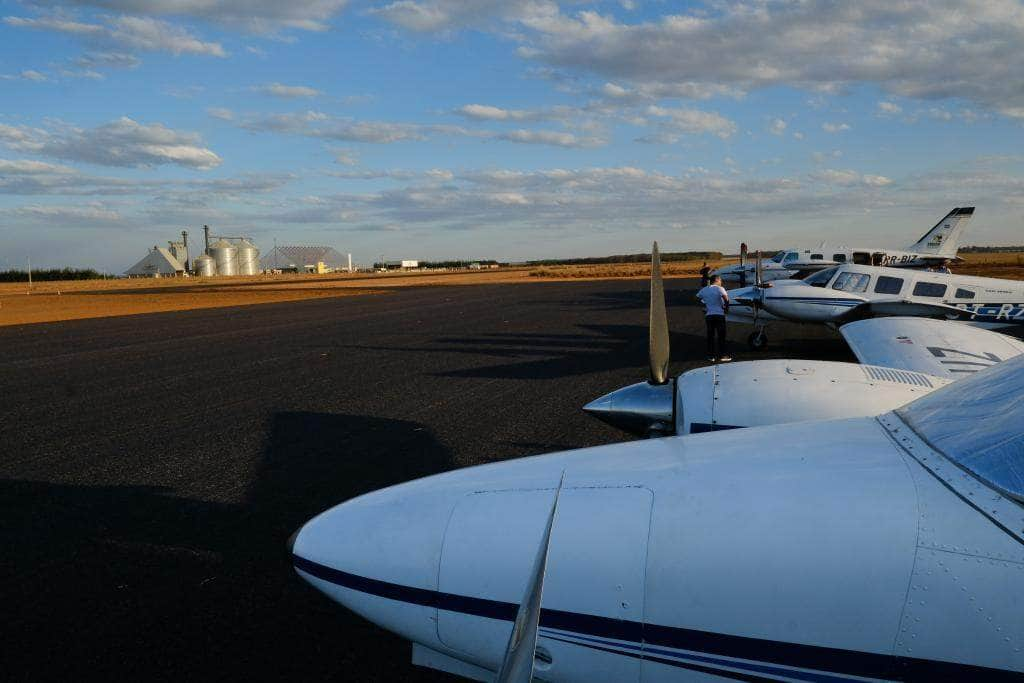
(225, 255)
(248, 257)
(204, 266)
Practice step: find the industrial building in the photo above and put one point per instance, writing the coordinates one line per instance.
(159, 262)
(225, 256)
(315, 259)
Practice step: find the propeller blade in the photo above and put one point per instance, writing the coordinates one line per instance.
(658, 344)
(758, 285)
(758, 271)
(517, 665)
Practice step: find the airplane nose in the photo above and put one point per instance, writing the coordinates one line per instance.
(378, 555)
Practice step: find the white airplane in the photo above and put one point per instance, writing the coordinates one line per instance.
(936, 247)
(888, 548)
(850, 292)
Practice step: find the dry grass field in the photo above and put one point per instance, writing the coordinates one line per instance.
(53, 301)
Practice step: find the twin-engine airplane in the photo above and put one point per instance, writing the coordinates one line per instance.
(866, 548)
(842, 294)
(936, 247)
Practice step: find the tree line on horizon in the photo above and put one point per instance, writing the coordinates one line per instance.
(49, 274)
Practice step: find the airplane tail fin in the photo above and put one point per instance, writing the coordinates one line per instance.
(944, 238)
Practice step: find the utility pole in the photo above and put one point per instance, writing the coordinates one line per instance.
(29, 273)
(275, 253)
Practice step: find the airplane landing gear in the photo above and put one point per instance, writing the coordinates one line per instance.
(758, 340)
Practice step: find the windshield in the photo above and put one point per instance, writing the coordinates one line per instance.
(778, 257)
(821, 278)
(975, 422)
(852, 282)
(790, 257)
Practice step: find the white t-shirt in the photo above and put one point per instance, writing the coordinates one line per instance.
(713, 297)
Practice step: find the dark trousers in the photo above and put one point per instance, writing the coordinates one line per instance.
(716, 335)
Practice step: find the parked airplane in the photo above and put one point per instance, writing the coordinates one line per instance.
(903, 358)
(936, 247)
(850, 292)
(885, 548)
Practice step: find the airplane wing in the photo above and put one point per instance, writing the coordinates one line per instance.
(894, 307)
(935, 347)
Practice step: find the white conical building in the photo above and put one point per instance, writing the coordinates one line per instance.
(157, 263)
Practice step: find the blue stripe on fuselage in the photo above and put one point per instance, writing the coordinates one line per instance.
(651, 636)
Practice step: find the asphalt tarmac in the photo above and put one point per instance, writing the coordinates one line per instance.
(152, 467)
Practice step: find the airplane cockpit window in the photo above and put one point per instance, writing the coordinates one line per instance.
(929, 289)
(790, 257)
(964, 293)
(778, 257)
(888, 285)
(839, 258)
(852, 282)
(821, 278)
(817, 257)
(969, 424)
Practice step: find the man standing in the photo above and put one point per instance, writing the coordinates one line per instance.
(716, 305)
(704, 275)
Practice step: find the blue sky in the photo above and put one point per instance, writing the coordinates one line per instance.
(510, 130)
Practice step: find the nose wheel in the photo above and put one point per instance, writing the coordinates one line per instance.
(757, 340)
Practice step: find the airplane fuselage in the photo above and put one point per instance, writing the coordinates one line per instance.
(830, 296)
(666, 562)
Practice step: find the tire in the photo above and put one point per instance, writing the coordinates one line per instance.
(757, 340)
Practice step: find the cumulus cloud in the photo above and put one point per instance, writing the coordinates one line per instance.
(316, 124)
(445, 15)
(287, 91)
(777, 127)
(255, 15)
(889, 108)
(123, 142)
(930, 50)
(550, 137)
(221, 113)
(848, 177)
(484, 112)
(835, 127)
(693, 121)
(140, 33)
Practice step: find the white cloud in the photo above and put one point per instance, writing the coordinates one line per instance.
(110, 60)
(835, 127)
(33, 75)
(929, 50)
(484, 112)
(29, 167)
(123, 142)
(221, 113)
(889, 108)
(848, 177)
(262, 16)
(287, 91)
(694, 121)
(550, 137)
(777, 127)
(346, 157)
(316, 124)
(140, 33)
(445, 15)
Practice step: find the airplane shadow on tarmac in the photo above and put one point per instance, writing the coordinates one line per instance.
(136, 582)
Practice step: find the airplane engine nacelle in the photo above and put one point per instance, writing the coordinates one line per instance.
(727, 396)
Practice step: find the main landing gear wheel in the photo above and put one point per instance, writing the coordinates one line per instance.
(758, 340)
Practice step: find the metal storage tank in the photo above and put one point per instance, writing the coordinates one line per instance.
(248, 258)
(204, 266)
(225, 255)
